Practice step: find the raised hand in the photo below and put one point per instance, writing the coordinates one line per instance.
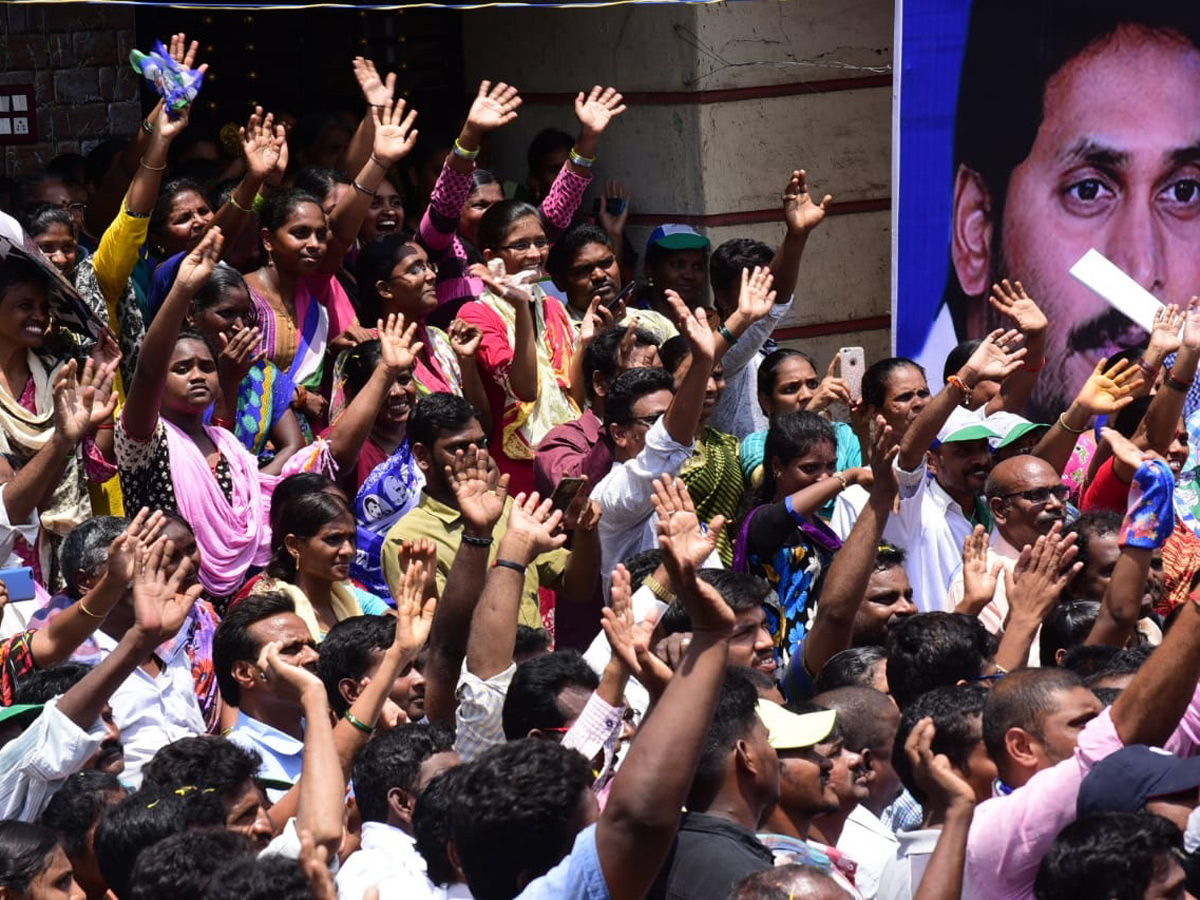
(1124, 450)
(183, 52)
(143, 531)
(617, 621)
(501, 286)
(628, 345)
(832, 389)
(534, 523)
(934, 774)
(881, 454)
(756, 298)
(464, 338)
(703, 603)
(479, 488)
(494, 107)
(614, 190)
(1108, 391)
(691, 542)
(595, 320)
(396, 343)
(1012, 301)
(1035, 588)
(800, 213)
(314, 861)
(169, 124)
(284, 679)
(75, 401)
(1165, 336)
(262, 143)
(598, 109)
(1191, 325)
(423, 551)
(198, 264)
(375, 90)
(996, 357)
(395, 136)
(693, 325)
(414, 609)
(159, 607)
(239, 355)
(979, 579)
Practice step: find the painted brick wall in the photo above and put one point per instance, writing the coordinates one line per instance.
(77, 58)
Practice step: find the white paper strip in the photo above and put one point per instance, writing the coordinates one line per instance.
(1125, 294)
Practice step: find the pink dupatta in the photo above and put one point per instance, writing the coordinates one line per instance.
(232, 537)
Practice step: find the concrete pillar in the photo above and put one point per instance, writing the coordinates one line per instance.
(725, 100)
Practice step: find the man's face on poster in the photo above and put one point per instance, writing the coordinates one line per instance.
(1115, 165)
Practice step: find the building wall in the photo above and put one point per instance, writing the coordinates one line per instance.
(77, 58)
(724, 101)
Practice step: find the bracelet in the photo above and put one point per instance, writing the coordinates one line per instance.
(259, 203)
(162, 168)
(87, 612)
(364, 190)
(584, 162)
(841, 476)
(1182, 386)
(724, 332)
(1035, 369)
(1151, 372)
(473, 541)
(1062, 423)
(956, 382)
(147, 127)
(359, 723)
(301, 396)
(499, 563)
(105, 426)
(463, 153)
(227, 424)
(233, 202)
(375, 159)
(658, 590)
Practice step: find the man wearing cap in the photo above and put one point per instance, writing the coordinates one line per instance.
(1015, 435)
(944, 461)
(1138, 778)
(676, 260)
(1026, 498)
(806, 744)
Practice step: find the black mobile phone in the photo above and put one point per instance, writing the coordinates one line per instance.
(566, 491)
(614, 206)
(624, 294)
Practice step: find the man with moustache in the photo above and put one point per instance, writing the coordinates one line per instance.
(1078, 126)
(1027, 498)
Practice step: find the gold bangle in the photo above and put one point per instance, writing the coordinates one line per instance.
(658, 590)
(162, 168)
(87, 612)
(1062, 423)
(233, 202)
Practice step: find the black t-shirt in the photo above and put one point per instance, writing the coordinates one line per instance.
(710, 855)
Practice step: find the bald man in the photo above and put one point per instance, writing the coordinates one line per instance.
(791, 881)
(1026, 497)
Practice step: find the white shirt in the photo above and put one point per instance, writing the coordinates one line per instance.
(933, 529)
(282, 755)
(34, 764)
(903, 873)
(994, 614)
(869, 843)
(388, 860)
(738, 412)
(629, 524)
(848, 506)
(153, 711)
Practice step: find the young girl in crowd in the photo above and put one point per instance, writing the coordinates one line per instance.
(33, 865)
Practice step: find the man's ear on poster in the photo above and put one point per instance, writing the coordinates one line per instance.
(971, 235)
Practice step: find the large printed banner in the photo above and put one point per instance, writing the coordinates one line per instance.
(1027, 133)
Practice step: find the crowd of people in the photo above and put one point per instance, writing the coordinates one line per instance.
(376, 527)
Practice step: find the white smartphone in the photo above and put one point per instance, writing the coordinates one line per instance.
(852, 366)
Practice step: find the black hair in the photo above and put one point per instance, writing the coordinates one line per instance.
(167, 195)
(25, 851)
(1111, 856)
(393, 759)
(143, 819)
(360, 363)
(265, 878)
(38, 218)
(350, 650)
(933, 649)
(482, 178)
(530, 641)
(864, 715)
(436, 413)
(14, 271)
(1087, 528)
(43, 685)
(282, 206)
(735, 717)
(295, 486)
(1067, 626)
(23, 188)
(305, 515)
(431, 823)
(498, 221)
(1126, 661)
(546, 142)
(513, 814)
(957, 357)
(375, 263)
(741, 591)
(1086, 660)
(85, 549)
(68, 165)
(727, 262)
(1021, 700)
(957, 713)
(566, 248)
(878, 374)
(183, 866)
(532, 698)
(628, 388)
(853, 666)
(233, 643)
(76, 806)
(1127, 421)
(789, 437)
(205, 761)
(770, 367)
(673, 351)
(223, 278)
(600, 357)
(320, 181)
(100, 159)
(642, 564)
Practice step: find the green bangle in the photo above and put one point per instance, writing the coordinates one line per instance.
(724, 332)
(359, 723)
